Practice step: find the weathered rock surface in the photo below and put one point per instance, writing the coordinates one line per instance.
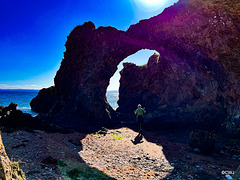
(180, 92)
(9, 170)
(199, 43)
(78, 98)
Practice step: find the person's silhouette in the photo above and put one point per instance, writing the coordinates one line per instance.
(140, 118)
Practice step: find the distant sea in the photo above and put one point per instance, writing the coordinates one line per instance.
(23, 97)
(112, 97)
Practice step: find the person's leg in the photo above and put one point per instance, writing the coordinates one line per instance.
(140, 123)
(140, 126)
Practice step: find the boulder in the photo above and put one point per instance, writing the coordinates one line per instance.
(47, 98)
(12, 119)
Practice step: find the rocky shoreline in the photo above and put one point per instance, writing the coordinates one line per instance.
(114, 154)
(191, 91)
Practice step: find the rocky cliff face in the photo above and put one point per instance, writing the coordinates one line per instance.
(199, 43)
(78, 98)
(176, 92)
(209, 26)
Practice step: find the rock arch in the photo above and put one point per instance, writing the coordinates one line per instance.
(91, 58)
(180, 34)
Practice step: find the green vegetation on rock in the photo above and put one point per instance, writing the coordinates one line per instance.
(115, 135)
(17, 171)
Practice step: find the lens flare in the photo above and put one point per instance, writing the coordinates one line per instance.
(150, 5)
(153, 2)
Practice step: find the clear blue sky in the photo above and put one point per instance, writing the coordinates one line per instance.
(33, 34)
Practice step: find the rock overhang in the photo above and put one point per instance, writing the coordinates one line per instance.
(183, 34)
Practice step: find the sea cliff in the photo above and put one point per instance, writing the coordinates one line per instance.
(196, 78)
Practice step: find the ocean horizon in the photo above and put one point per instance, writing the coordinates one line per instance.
(23, 97)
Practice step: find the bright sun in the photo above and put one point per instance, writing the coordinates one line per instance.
(150, 5)
(153, 2)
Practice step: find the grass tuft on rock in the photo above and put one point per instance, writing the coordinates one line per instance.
(17, 170)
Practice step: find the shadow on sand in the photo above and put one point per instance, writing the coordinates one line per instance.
(178, 153)
(138, 139)
(187, 163)
(70, 167)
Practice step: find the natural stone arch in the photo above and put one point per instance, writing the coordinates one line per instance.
(92, 56)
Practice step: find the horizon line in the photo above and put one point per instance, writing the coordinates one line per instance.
(38, 89)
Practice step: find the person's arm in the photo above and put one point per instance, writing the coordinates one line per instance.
(144, 111)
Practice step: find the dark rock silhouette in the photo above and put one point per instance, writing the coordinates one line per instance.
(176, 92)
(47, 98)
(12, 119)
(196, 75)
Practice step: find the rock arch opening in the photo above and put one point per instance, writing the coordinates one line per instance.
(139, 58)
(189, 83)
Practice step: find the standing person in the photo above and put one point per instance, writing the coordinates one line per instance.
(140, 117)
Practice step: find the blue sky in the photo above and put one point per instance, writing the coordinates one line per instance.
(33, 34)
